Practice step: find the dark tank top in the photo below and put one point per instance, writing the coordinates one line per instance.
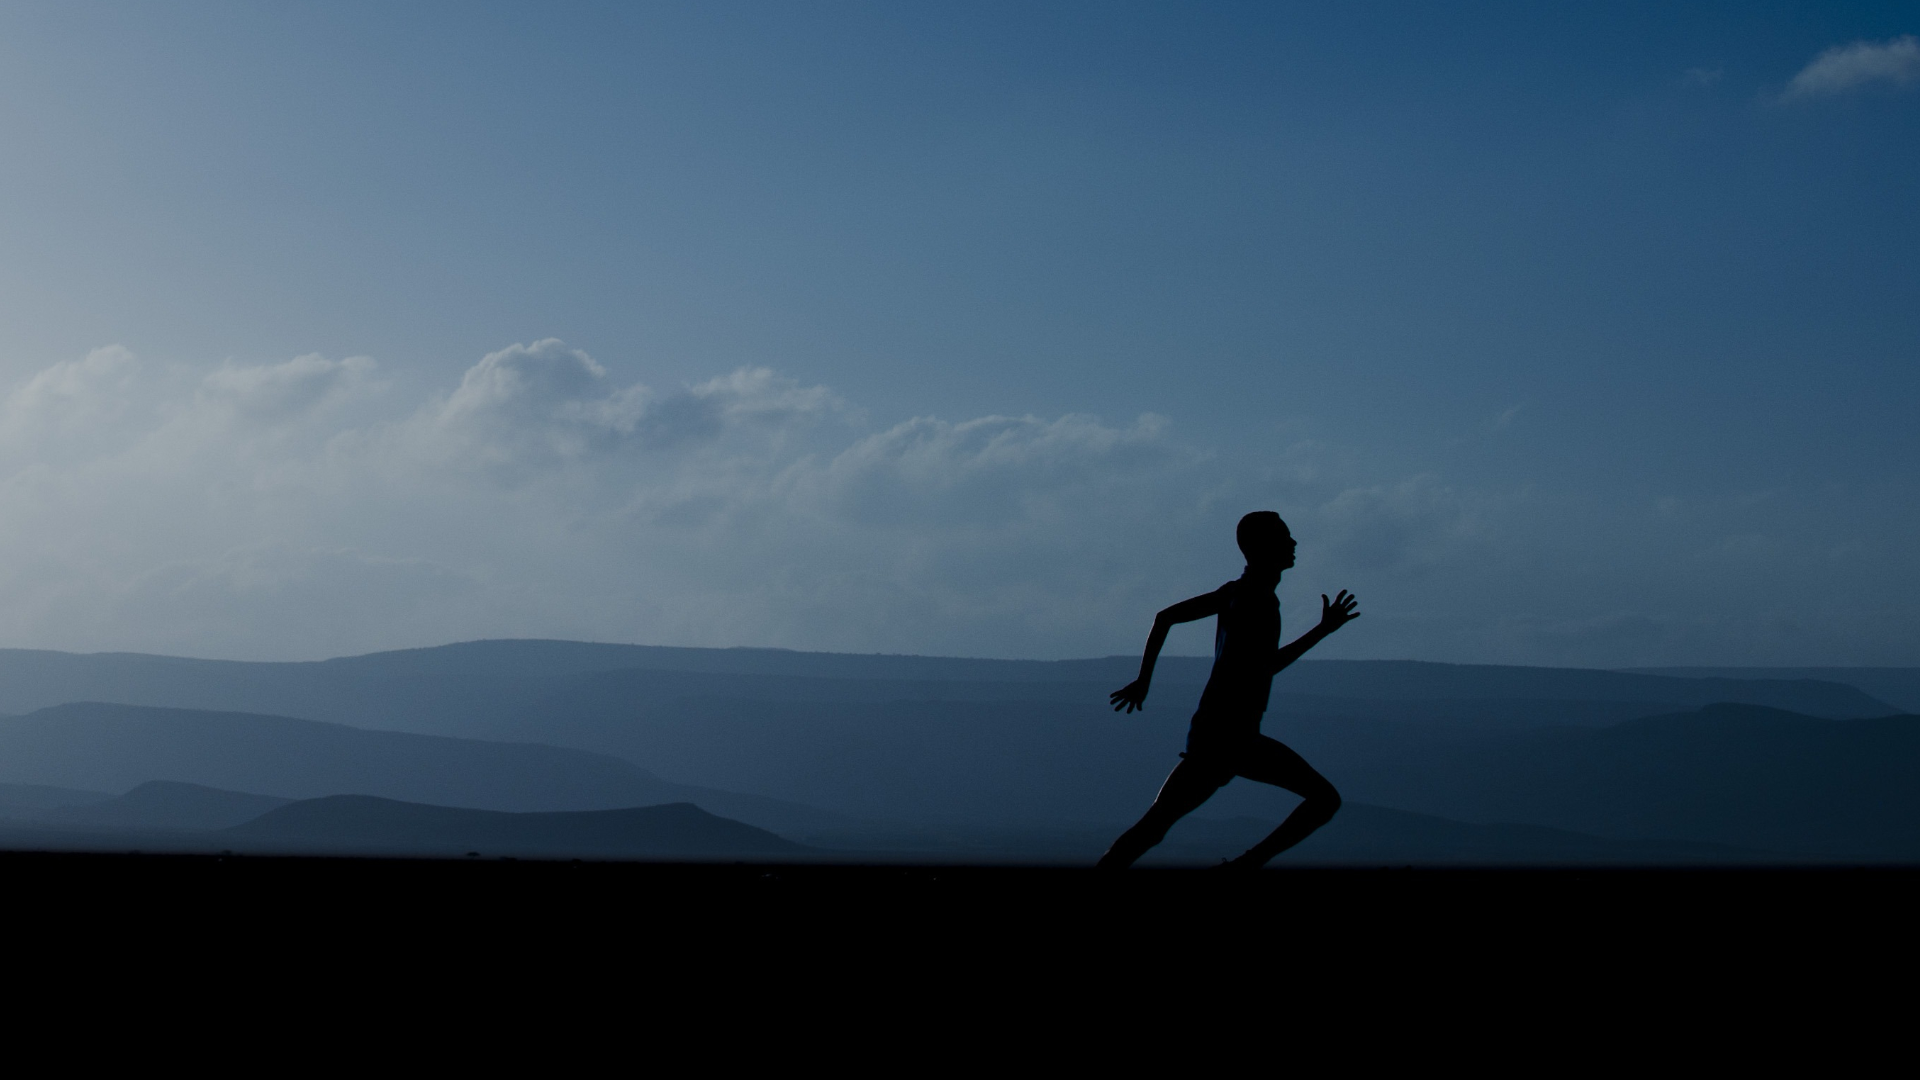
(1245, 638)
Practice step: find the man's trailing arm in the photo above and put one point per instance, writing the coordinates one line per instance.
(1134, 695)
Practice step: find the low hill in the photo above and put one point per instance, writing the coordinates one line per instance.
(167, 804)
(117, 747)
(31, 800)
(1897, 686)
(1406, 680)
(361, 824)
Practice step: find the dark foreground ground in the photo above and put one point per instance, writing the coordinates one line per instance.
(321, 909)
(479, 949)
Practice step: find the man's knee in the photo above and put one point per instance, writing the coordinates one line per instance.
(1325, 802)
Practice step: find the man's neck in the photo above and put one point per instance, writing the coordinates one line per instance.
(1264, 576)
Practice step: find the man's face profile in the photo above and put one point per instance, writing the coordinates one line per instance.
(1279, 548)
(1266, 541)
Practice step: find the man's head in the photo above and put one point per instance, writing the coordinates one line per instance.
(1265, 541)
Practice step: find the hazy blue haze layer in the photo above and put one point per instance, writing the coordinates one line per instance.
(548, 748)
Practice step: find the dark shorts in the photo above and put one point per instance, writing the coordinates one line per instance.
(1223, 736)
(1209, 764)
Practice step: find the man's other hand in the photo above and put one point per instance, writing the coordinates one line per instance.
(1337, 612)
(1130, 697)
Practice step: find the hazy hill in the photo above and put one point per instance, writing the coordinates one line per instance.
(363, 824)
(1405, 680)
(167, 804)
(1897, 686)
(171, 817)
(34, 799)
(117, 747)
(460, 689)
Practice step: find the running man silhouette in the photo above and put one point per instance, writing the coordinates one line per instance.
(1225, 740)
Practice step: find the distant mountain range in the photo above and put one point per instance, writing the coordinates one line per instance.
(451, 689)
(918, 755)
(166, 816)
(163, 816)
(98, 747)
(1899, 687)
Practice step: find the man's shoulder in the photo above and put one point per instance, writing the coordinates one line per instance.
(1240, 587)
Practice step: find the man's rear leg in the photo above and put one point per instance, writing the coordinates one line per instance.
(1276, 763)
(1185, 789)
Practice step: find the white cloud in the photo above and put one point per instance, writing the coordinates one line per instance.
(302, 509)
(987, 472)
(1845, 67)
(1409, 526)
(529, 407)
(301, 387)
(307, 508)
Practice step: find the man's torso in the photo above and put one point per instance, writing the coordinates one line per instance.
(1246, 636)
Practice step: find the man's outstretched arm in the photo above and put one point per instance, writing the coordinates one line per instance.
(1334, 614)
(1134, 695)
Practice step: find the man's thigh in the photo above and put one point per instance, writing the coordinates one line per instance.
(1271, 761)
(1189, 784)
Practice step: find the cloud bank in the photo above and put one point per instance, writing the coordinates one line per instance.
(299, 509)
(307, 508)
(1847, 67)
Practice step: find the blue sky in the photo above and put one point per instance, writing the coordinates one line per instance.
(1564, 335)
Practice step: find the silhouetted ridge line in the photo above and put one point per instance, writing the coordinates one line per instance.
(118, 747)
(386, 689)
(1898, 686)
(166, 804)
(365, 823)
(34, 799)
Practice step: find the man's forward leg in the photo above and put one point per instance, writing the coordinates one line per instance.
(1188, 786)
(1273, 762)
